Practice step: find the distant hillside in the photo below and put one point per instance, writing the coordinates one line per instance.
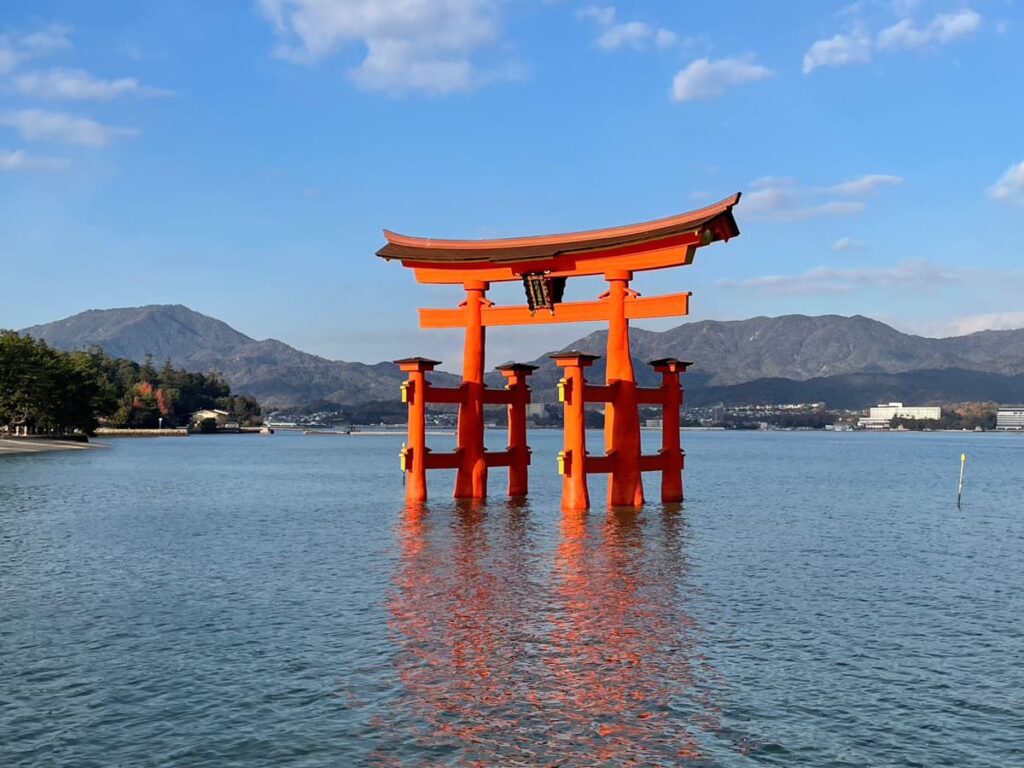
(856, 391)
(801, 347)
(795, 358)
(277, 374)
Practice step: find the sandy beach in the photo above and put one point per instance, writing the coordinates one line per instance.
(16, 445)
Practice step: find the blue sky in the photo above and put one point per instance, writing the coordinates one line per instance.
(242, 157)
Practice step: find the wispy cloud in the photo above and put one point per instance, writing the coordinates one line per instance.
(921, 275)
(867, 184)
(944, 28)
(79, 85)
(848, 244)
(19, 160)
(991, 321)
(838, 51)
(40, 125)
(410, 46)
(1010, 186)
(15, 49)
(638, 35)
(49, 39)
(858, 46)
(783, 199)
(706, 79)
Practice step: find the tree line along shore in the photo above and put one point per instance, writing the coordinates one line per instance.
(46, 391)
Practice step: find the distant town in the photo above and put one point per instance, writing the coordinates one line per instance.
(895, 416)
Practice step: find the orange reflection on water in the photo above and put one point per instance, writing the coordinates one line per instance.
(510, 653)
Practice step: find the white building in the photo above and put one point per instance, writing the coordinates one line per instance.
(221, 417)
(535, 409)
(882, 415)
(1010, 417)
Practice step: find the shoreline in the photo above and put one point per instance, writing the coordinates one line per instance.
(18, 446)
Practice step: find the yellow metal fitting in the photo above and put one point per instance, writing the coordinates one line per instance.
(406, 386)
(561, 390)
(562, 462)
(403, 459)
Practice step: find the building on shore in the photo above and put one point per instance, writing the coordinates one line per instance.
(881, 416)
(219, 416)
(1010, 417)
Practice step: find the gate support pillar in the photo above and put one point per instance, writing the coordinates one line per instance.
(622, 416)
(572, 461)
(414, 455)
(471, 477)
(519, 452)
(671, 449)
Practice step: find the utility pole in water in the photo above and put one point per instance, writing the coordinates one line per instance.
(960, 488)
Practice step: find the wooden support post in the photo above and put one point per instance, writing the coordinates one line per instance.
(573, 458)
(471, 477)
(622, 416)
(519, 452)
(671, 449)
(414, 455)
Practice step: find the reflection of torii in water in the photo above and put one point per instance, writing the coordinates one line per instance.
(543, 264)
(504, 662)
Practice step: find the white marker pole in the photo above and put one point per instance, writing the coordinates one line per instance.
(960, 489)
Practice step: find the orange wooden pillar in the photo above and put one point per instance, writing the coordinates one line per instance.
(622, 416)
(671, 449)
(519, 452)
(471, 477)
(572, 461)
(414, 455)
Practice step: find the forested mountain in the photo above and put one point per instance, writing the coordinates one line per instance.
(775, 359)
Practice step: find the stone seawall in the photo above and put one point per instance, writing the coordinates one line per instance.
(106, 432)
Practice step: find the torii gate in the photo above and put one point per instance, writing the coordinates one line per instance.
(543, 264)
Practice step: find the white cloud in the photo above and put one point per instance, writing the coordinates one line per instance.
(19, 160)
(857, 47)
(602, 14)
(867, 184)
(665, 38)
(637, 35)
(8, 60)
(992, 321)
(848, 244)
(1010, 186)
(783, 199)
(78, 85)
(39, 125)
(921, 275)
(14, 49)
(838, 51)
(944, 28)
(423, 45)
(49, 39)
(705, 79)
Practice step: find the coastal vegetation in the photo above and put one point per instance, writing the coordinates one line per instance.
(45, 390)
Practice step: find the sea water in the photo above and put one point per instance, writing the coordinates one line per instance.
(819, 600)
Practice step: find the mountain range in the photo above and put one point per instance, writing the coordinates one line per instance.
(845, 361)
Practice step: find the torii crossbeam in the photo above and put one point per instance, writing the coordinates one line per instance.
(543, 264)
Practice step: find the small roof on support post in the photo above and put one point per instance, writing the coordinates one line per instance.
(670, 364)
(416, 363)
(517, 367)
(574, 354)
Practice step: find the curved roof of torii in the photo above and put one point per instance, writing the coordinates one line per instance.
(714, 222)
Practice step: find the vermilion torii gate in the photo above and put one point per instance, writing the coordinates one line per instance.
(543, 264)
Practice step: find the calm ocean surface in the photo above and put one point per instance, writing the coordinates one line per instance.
(254, 601)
